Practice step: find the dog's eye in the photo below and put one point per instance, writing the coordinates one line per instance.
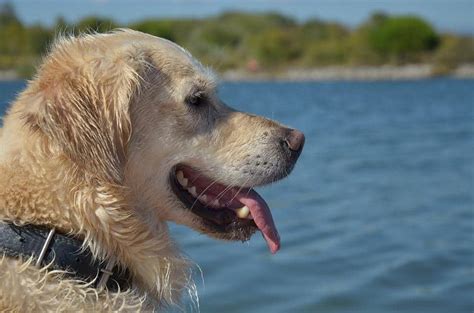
(196, 100)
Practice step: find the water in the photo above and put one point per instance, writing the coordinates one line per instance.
(377, 216)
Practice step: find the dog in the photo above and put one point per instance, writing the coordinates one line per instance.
(117, 135)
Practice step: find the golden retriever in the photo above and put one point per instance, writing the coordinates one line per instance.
(116, 135)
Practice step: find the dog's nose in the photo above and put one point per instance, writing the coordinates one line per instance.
(295, 140)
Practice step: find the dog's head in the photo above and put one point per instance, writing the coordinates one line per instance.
(138, 111)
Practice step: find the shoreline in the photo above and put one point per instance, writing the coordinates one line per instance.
(343, 73)
(9, 75)
(331, 73)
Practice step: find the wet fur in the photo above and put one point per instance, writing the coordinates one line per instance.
(87, 148)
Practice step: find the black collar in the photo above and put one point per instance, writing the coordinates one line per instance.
(63, 252)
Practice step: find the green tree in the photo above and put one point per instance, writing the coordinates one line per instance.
(95, 24)
(276, 47)
(161, 28)
(8, 15)
(401, 38)
(12, 37)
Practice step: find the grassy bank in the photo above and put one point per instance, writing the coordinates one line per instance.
(267, 45)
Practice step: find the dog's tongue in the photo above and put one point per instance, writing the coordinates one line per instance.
(262, 217)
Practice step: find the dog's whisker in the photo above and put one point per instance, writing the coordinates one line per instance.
(240, 189)
(220, 195)
(203, 192)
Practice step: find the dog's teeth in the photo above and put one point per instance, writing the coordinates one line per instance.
(181, 179)
(216, 203)
(192, 190)
(242, 212)
(203, 198)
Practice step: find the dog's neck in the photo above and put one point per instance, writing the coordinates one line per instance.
(32, 182)
(39, 185)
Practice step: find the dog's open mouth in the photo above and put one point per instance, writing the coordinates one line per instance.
(226, 208)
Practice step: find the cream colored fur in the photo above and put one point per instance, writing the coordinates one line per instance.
(87, 148)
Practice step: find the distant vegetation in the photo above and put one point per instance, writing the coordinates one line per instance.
(259, 42)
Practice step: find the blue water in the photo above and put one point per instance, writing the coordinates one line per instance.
(378, 215)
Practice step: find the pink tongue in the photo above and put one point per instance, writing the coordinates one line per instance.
(262, 217)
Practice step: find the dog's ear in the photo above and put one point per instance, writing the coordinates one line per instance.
(85, 109)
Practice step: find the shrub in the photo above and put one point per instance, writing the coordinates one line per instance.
(402, 38)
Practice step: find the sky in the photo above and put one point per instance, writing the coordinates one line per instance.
(445, 15)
